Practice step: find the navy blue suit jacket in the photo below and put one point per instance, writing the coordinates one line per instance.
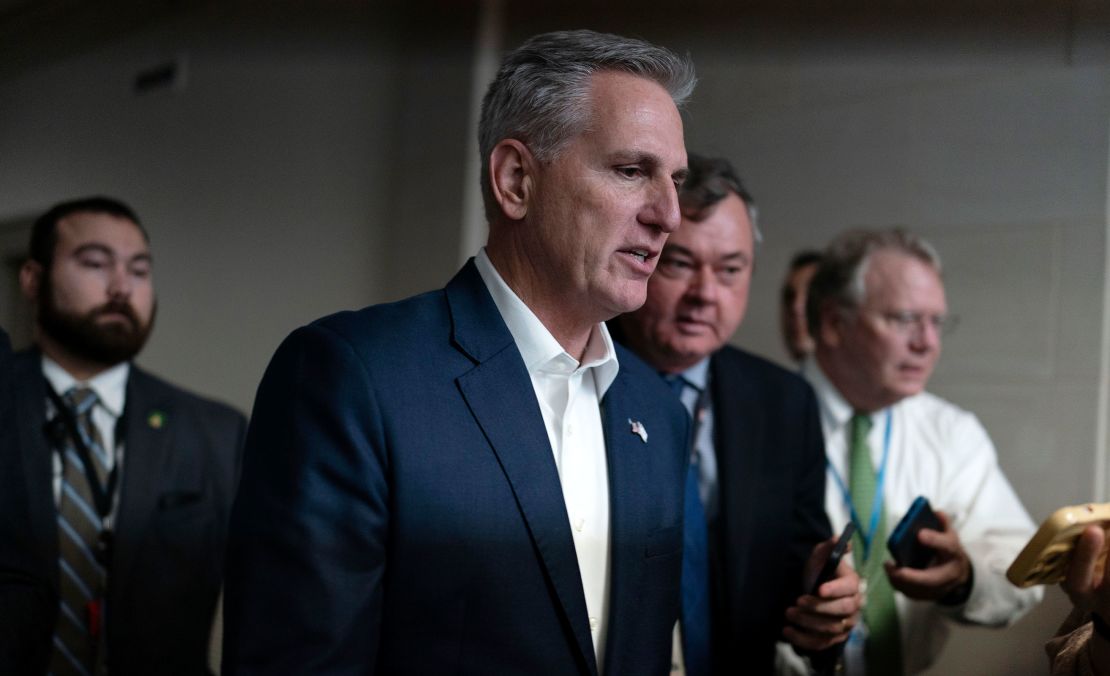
(771, 472)
(400, 510)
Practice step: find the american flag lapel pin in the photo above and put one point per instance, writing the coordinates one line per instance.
(638, 429)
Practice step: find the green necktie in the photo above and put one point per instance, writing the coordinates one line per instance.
(883, 649)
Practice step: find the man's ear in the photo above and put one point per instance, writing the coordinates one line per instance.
(511, 176)
(30, 279)
(833, 322)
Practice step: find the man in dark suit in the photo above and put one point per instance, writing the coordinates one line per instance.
(475, 480)
(128, 479)
(758, 454)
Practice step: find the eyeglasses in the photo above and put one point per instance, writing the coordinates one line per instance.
(909, 323)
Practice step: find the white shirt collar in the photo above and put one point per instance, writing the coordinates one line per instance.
(836, 412)
(110, 385)
(835, 409)
(540, 350)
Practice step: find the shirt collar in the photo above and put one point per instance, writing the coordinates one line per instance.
(110, 385)
(836, 412)
(539, 349)
(697, 376)
(835, 409)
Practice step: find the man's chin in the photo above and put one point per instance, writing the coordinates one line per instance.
(696, 337)
(628, 298)
(111, 350)
(686, 352)
(102, 343)
(910, 388)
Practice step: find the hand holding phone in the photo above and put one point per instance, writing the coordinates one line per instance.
(825, 662)
(828, 569)
(903, 544)
(1045, 558)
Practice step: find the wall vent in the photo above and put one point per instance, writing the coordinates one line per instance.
(168, 75)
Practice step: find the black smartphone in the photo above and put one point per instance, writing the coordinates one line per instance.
(828, 569)
(903, 544)
(825, 662)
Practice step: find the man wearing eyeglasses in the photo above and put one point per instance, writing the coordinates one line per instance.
(877, 310)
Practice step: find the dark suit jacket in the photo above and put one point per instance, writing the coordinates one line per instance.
(401, 513)
(24, 587)
(771, 471)
(177, 483)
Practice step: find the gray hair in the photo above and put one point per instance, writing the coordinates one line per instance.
(710, 180)
(840, 277)
(541, 93)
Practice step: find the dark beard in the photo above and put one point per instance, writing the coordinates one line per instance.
(80, 335)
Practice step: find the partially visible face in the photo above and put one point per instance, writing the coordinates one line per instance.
(697, 297)
(792, 311)
(877, 362)
(97, 299)
(604, 205)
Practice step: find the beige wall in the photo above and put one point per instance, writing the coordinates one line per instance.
(314, 160)
(303, 150)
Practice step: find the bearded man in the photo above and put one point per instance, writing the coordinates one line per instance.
(128, 479)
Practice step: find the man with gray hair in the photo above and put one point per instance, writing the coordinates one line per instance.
(476, 480)
(877, 310)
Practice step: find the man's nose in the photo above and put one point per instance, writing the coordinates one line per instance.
(119, 282)
(925, 336)
(703, 285)
(662, 210)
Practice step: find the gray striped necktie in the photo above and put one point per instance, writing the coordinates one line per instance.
(81, 577)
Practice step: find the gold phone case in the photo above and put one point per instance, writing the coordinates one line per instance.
(1046, 556)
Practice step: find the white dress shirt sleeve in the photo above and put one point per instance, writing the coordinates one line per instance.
(992, 523)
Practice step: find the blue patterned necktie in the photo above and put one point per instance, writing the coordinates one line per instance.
(81, 576)
(695, 565)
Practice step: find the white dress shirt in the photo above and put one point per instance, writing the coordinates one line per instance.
(569, 395)
(942, 452)
(110, 387)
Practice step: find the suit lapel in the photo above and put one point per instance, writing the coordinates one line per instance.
(501, 398)
(736, 439)
(147, 429)
(629, 472)
(37, 455)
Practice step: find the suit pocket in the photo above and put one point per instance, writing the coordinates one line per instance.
(178, 499)
(664, 541)
(183, 521)
(184, 530)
